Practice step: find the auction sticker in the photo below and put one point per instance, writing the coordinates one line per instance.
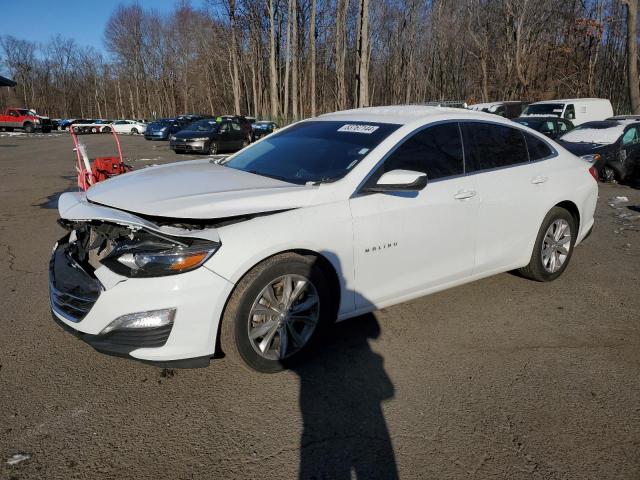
(353, 128)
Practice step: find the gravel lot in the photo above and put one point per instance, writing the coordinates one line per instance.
(502, 378)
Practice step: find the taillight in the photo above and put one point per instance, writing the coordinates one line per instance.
(594, 173)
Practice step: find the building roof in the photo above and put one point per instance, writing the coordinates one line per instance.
(6, 82)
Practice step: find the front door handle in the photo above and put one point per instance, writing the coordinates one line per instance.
(539, 180)
(464, 194)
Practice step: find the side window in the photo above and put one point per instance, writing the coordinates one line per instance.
(224, 128)
(488, 146)
(436, 151)
(235, 126)
(562, 127)
(570, 112)
(548, 128)
(630, 137)
(537, 148)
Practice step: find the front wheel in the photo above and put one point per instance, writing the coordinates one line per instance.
(134, 131)
(276, 313)
(213, 148)
(553, 248)
(29, 127)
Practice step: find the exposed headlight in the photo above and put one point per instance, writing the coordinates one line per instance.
(172, 137)
(592, 158)
(149, 256)
(150, 319)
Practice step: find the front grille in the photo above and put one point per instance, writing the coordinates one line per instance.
(73, 290)
(73, 307)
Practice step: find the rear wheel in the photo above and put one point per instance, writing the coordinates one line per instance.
(134, 131)
(553, 248)
(106, 130)
(213, 147)
(275, 314)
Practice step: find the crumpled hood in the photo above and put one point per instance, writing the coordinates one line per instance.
(198, 189)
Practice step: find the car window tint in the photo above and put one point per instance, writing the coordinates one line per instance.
(630, 136)
(235, 126)
(436, 151)
(563, 127)
(488, 146)
(538, 149)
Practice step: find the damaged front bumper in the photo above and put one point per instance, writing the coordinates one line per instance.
(86, 297)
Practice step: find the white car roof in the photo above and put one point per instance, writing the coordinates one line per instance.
(405, 114)
(572, 100)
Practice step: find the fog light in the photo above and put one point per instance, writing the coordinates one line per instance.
(151, 319)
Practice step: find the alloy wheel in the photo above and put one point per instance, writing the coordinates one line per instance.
(283, 317)
(556, 245)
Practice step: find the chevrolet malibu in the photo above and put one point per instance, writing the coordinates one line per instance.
(324, 220)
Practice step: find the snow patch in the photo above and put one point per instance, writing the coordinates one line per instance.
(594, 135)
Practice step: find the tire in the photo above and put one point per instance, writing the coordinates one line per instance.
(550, 264)
(106, 130)
(29, 127)
(298, 336)
(213, 147)
(245, 143)
(134, 131)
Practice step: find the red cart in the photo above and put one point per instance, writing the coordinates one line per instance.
(97, 169)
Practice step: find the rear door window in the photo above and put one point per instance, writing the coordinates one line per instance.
(488, 146)
(436, 151)
(538, 149)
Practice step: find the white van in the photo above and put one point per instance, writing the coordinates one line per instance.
(577, 110)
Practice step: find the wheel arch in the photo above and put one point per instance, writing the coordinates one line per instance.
(572, 208)
(328, 269)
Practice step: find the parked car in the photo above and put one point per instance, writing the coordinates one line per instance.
(508, 109)
(328, 218)
(165, 127)
(262, 128)
(576, 110)
(132, 127)
(24, 119)
(552, 127)
(446, 103)
(209, 136)
(613, 146)
(624, 117)
(64, 123)
(245, 124)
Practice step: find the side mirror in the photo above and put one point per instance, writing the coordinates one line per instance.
(399, 181)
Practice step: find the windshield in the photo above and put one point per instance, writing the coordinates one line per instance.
(604, 132)
(204, 126)
(313, 151)
(554, 109)
(162, 123)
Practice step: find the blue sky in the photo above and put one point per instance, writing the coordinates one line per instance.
(84, 21)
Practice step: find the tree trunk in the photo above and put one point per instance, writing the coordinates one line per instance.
(234, 58)
(294, 67)
(312, 46)
(632, 55)
(273, 74)
(362, 77)
(341, 88)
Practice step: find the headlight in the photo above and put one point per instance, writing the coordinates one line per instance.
(162, 129)
(593, 158)
(172, 137)
(149, 256)
(200, 139)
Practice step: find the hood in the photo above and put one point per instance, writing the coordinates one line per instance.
(198, 190)
(194, 134)
(580, 149)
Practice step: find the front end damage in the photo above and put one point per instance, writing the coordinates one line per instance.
(131, 287)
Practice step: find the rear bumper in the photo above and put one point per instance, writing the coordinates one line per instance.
(198, 298)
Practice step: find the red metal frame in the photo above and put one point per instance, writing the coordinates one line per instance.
(100, 168)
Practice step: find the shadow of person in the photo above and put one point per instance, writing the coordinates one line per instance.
(342, 388)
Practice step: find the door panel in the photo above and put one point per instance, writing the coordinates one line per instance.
(411, 241)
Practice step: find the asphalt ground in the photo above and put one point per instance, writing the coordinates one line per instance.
(502, 378)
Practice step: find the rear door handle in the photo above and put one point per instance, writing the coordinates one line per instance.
(464, 194)
(539, 180)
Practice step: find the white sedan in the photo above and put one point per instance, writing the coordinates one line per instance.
(326, 219)
(131, 127)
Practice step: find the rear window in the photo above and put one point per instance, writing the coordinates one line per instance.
(488, 146)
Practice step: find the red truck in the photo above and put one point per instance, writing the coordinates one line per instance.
(25, 119)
